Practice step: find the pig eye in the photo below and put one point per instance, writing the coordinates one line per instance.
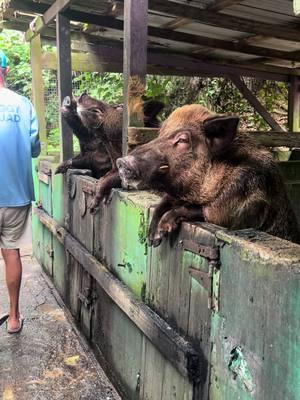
(182, 140)
(182, 137)
(95, 110)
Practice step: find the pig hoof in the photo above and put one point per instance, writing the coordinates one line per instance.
(61, 169)
(94, 210)
(156, 242)
(93, 207)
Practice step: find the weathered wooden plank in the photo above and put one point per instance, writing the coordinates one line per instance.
(38, 90)
(258, 323)
(240, 46)
(177, 350)
(40, 23)
(218, 5)
(57, 7)
(64, 82)
(277, 139)
(134, 64)
(141, 135)
(227, 21)
(294, 104)
(170, 64)
(255, 103)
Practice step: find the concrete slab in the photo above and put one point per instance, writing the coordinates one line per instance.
(48, 360)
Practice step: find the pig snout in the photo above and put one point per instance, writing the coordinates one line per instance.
(127, 167)
(66, 101)
(128, 170)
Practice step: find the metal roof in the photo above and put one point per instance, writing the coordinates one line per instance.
(258, 35)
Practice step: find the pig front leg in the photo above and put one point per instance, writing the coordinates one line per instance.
(74, 163)
(104, 185)
(166, 203)
(172, 219)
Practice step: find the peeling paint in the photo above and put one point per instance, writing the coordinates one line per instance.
(239, 368)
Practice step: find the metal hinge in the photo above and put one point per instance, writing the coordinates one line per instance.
(209, 252)
(87, 297)
(207, 279)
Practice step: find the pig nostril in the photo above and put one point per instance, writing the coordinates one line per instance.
(119, 163)
(66, 101)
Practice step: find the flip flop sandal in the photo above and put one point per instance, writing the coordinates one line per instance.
(3, 318)
(16, 330)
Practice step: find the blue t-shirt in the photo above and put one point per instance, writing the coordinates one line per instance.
(19, 142)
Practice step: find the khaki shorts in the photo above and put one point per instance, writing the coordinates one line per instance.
(15, 227)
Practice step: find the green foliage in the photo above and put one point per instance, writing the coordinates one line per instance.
(107, 87)
(18, 54)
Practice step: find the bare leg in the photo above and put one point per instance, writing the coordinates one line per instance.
(13, 267)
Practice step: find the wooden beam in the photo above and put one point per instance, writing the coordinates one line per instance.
(38, 90)
(239, 46)
(168, 34)
(58, 7)
(135, 64)
(64, 81)
(39, 23)
(255, 103)
(277, 139)
(294, 104)
(169, 63)
(218, 5)
(234, 23)
(171, 345)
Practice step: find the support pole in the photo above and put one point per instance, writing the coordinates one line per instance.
(294, 104)
(38, 89)
(134, 64)
(64, 76)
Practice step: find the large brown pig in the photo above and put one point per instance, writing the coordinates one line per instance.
(98, 127)
(209, 172)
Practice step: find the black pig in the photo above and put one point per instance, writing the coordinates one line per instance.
(98, 127)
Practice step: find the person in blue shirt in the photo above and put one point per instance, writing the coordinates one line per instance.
(19, 142)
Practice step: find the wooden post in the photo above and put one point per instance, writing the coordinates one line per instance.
(64, 75)
(294, 104)
(38, 89)
(134, 64)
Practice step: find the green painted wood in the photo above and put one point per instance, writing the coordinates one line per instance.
(45, 201)
(251, 270)
(122, 232)
(159, 379)
(59, 259)
(118, 344)
(81, 226)
(256, 352)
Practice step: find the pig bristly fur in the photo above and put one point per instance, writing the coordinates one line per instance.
(210, 172)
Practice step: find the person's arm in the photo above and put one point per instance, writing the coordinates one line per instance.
(34, 133)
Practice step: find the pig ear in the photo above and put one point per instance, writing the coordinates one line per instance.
(151, 109)
(220, 132)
